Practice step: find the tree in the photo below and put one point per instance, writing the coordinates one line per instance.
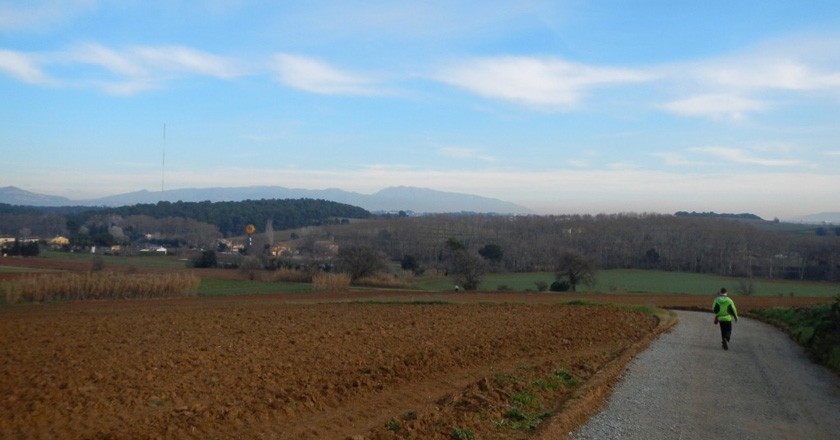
(492, 252)
(576, 269)
(467, 270)
(207, 258)
(360, 261)
(409, 262)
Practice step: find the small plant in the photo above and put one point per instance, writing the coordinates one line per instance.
(565, 377)
(504, 378)
(393, 425)
(527, 399)
(463, 433)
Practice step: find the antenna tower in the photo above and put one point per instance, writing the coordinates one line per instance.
(163, 160)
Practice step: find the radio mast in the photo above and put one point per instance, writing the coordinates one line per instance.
(163, 160)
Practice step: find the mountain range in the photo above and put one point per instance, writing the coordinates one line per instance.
(391, 199)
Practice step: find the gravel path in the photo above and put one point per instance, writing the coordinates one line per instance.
(685, 386)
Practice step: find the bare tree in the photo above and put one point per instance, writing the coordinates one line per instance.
(576, 269)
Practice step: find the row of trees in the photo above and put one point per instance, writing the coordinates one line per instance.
(647, 241)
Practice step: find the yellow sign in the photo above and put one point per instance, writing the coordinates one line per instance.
(250, 229)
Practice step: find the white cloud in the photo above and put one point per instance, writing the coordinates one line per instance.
(23, 67)
(187, 60)
(38, 14)
(715, 106)
(538, 82)
(120, 63)
(131, 70)
(755, 79)
(740, 156)
(673, 159)
(315, 76)
(465, 153)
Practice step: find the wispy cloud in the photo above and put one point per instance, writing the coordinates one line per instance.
(715, 106)
(753, 80)
(673, 159)
(538, 82)
(741, 156)
(129, 71)
(465, 153)
(39, 14)
(22, 66)
(312, 75)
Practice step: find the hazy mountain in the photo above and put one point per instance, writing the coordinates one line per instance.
(402, 198)
(13, 195)
(822, 217)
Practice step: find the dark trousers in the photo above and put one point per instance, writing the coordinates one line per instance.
(725, 330)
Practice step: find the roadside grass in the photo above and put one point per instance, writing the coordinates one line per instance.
(816, 328)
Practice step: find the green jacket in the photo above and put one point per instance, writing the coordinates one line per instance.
(724, 308)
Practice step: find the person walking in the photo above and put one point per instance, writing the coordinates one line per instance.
(724, 310)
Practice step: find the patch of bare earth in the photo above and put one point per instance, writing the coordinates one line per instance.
(262, 368)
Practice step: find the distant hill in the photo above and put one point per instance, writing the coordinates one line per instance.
(13, 195)
(392, 199)
(822, 217)
(743, 216)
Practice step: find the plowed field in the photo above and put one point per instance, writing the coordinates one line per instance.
(351, 365)
(264, 368)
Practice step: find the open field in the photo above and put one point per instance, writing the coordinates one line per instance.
(230, 281)
(261, 367)
(290, 363)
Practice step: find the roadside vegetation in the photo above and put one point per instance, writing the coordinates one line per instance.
(817, 328)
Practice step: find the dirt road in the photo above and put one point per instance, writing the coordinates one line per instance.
(685, 386)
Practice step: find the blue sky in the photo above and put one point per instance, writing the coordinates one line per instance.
(562, 106)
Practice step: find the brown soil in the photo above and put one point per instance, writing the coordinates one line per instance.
(355, 365)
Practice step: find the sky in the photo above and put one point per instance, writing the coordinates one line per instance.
(564, 107)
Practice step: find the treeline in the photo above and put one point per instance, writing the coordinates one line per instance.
(231, 218)
(742, 216)
(646, 241)
(196, 223)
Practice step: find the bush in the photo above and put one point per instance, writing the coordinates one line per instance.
(206, 259)
(292, 275)
(401, 281)
(542, 286)
(560, 286)
(331, 282)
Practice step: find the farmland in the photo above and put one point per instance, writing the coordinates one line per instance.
(258, 359)
(261, 367)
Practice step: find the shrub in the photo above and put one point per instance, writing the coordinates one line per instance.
(560, 286)
(292, 275)
(330, 282)
(401, 281)
(207, 258)
(101, 285)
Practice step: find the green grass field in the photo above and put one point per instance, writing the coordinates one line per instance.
(216, 287)
(141, 261)
(643, 282)
(617, 280)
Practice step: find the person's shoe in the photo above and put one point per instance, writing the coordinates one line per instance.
(725, 344)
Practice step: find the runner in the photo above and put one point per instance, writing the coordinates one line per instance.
(724, 309)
